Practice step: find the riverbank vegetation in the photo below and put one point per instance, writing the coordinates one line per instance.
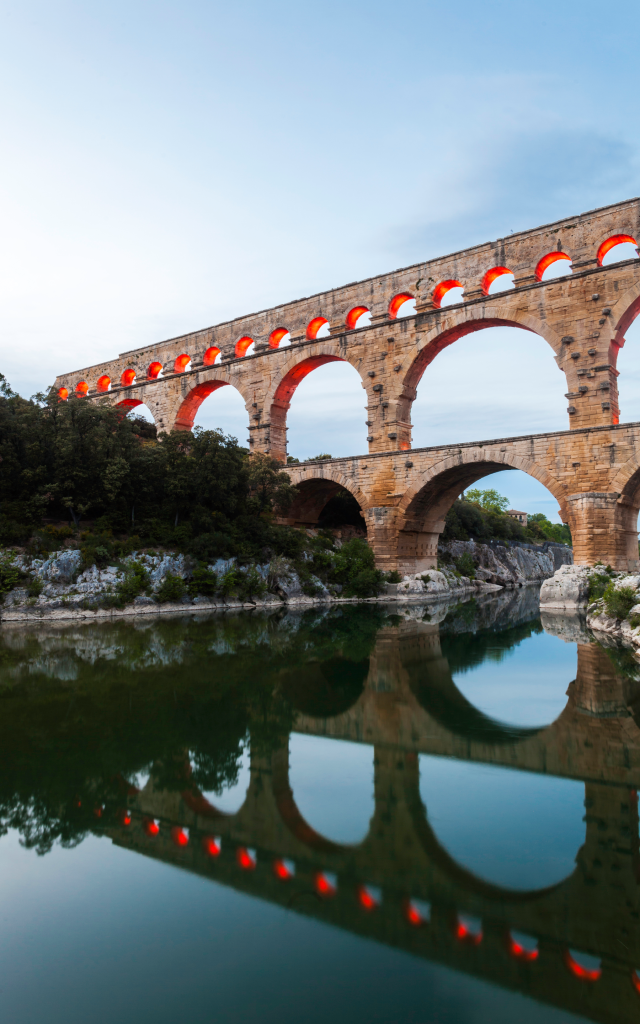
(481, 516)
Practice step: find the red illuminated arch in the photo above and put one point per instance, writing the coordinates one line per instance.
(396, 302)
(82, 388)
(154, 370)
(128, 378)
(276, 336)
(549, 260)
(441, 290)
(63, 394)
(354, 315)
(103, 383)
(242, 345)
(181, 363)
(129, 403)
(577, 969)
(611, 243)
(193, 401)
(314, 327)
(210, 356)
(493, 275)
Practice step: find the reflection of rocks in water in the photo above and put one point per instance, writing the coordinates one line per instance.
(570, 625)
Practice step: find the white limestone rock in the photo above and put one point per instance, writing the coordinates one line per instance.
(567, 588)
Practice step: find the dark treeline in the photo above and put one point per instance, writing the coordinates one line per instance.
(467, 519)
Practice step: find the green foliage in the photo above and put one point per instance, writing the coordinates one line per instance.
(488, 500)
(136, 580)
(619, 601)
(203, 581)
(355, 570)
(394, 576)
(319, 458)
(172, 588)
(35, 586)
(466, 565)
(541, 528)
(598, 583)
(9, 575)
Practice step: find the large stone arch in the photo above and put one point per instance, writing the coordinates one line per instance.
(190, 399)
(289, 375)
(317, 484)
(449, 327)
(423, 507)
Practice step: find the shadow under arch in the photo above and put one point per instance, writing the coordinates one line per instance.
(316, 490)
(445, 862)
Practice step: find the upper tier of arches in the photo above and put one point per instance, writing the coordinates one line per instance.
(451, 291)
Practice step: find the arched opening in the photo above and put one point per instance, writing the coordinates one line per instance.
(323, 503)
(318, 328)
(616, 249)
(229, 797)
(554, 264)
(226, 411)
(402, 305)
(279, 338)
(323, 408)
(103, 383)
(447, 293)
(182, 363)
(332, 785)
(358, 317)
(63, 394)
(327, 687)
(82, 388)
(155, 370)
(128, 378)
(211, 356)
(475, 389)
(498, 279)
(244, 347)
(516, 830)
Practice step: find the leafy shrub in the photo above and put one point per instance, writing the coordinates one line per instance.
(355, 569)
(203, 581)
(251, 583)
(466, 565)
(598, 583)
(394, 576)
(172, 588)
(35, 587)
(136, 580)
(9, 576)
(619, 601)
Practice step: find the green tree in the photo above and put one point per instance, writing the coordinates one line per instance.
(489, 500)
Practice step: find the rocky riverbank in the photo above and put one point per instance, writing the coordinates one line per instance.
(510, 564)
(608, 600)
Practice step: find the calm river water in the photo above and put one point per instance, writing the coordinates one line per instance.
(345, 815)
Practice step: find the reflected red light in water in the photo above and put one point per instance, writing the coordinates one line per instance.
(242, 345)
(82, 388)
(179, 836)
(520, 953)
(154, 370)
(323, 886)
(126, 818)
(128, 378)
(548, 260)
(211, 355)
(441, 290)
(464, 934)
(181, 363)
(493, 275)
(314, 327)
(102, 384)
(281, 870)
(276, 336)
(211, 846)
(366, 899)
(396, 302)
(412, 914)
(245, 860)
(98, 811)
(611, 242)
(583, 973)
(635, 981)
(63, 394)
(354, 315)
(151, 827)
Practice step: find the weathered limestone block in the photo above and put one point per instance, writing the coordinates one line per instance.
(567, 588)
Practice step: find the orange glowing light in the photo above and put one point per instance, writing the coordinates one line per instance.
(396, 302)
(211, 355)
(63, 394)
(276, 336)
(314, 327)
(181, 363)
(366, 898)
(82, 388)
(611, 242)
(493, 275)
(242, 345)
(154, 370)
(245, 860)
(126, 818)
(323, 886)
(441, 290)
(583, 973)
(211, 846)
(179, 836)
(128, 378)
(413, 915)
(281, 870)
(354, 315)
(549, 260)
(103, 383)
(151, 827)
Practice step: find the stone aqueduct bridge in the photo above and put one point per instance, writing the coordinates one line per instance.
(592, 469)
(409, 706)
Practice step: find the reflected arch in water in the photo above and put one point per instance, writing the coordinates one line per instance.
(331, 782)
(513, 830)
(325, 688)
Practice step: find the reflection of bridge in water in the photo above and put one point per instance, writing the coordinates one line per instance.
(400, 886)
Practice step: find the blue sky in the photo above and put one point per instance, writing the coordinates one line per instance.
(169, 165)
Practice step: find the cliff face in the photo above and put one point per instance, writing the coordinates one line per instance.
(512, 565)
